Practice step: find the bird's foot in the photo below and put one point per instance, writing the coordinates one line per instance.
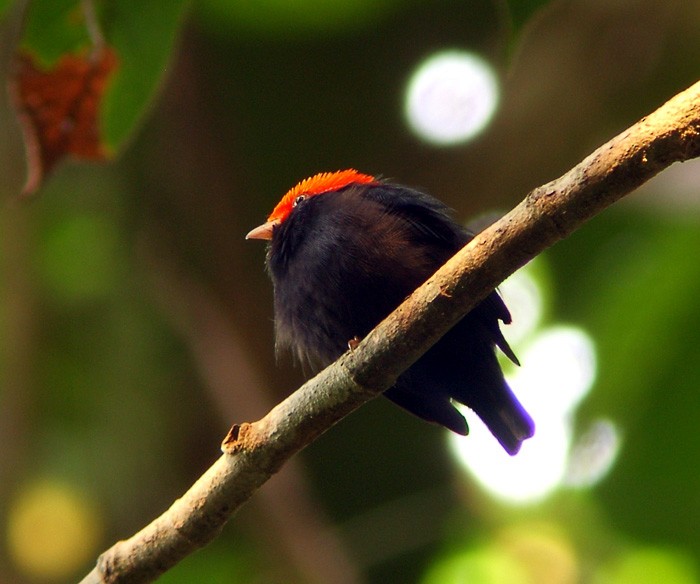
(352, 343)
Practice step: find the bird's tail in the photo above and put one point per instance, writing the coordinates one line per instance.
(505, 417)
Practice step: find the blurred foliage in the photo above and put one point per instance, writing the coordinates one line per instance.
(142, 33)
(653, 565)
(282, 18)
(53, 29)
(647, 365)
(4, 5)
(522, 11)
(135, 321)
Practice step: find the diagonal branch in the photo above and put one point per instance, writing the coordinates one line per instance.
(255, 451)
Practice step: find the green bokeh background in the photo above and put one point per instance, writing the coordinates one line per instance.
(135, 321)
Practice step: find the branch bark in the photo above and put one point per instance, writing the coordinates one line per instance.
(255, 451)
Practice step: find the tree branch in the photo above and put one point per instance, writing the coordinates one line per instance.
(255, 451)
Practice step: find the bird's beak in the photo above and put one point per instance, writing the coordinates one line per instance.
(263, 231)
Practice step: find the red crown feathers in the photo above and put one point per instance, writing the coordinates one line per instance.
(323, 182)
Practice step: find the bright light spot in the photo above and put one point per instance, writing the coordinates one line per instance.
(523, 295)
(558, 370)
(451, 97)
(52, 531)
(527, 477)
(593, 454)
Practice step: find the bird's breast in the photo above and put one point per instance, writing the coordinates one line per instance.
(339, 272)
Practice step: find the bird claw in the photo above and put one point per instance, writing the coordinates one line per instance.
(352, 343)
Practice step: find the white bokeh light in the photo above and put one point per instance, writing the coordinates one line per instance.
(451, 97)
(558, 370)
(593, 454)
(522, 293)
(559, 367)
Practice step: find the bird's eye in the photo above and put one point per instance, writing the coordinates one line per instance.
(299, 199)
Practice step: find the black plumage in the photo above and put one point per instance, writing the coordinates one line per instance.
(342, 261)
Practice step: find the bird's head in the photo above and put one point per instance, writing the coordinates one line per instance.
(317, 184)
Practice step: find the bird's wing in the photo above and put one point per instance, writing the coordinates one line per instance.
(433, 226)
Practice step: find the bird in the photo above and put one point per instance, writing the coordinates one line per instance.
(344, 250)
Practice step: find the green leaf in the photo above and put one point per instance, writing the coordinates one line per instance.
(54, 28)
(143, 35)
